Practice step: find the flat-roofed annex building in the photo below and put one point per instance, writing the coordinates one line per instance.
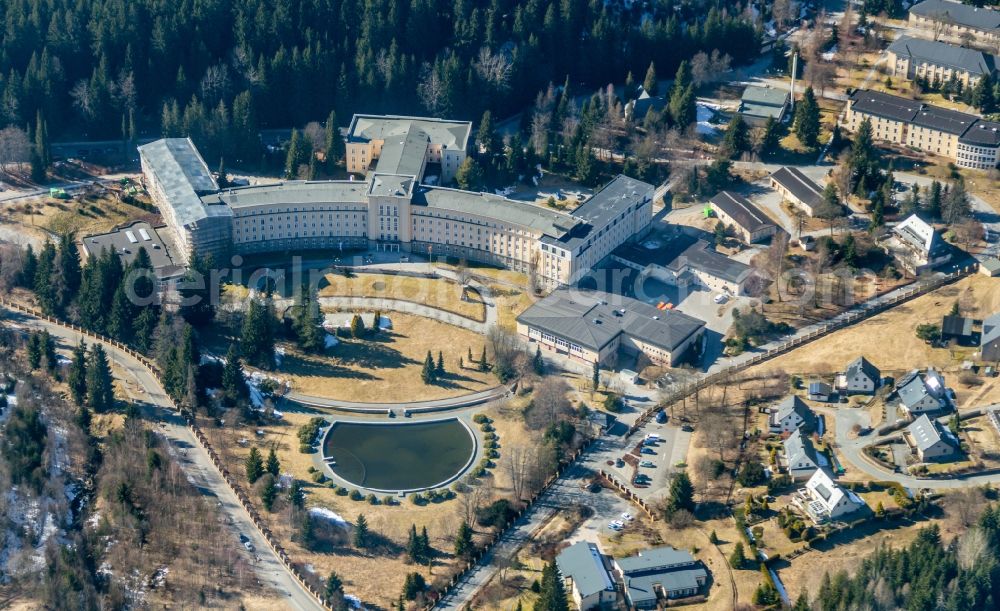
(966, 139)
(406, 145)
(390, 211)
(911, 58)
(956, 21)
(596, 327)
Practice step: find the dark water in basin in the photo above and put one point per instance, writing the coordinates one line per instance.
(398, 456)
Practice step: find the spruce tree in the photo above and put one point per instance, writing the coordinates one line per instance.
(100, 389)
(269, 493)
(463, 540)
(738, 558)
(234, 384)
(254, 465)
(770, 140)
(307, 321)
(806, 124)
(537, 363)
(649, 84)
(427, 375)
(357, 326)
(681, 494)
(595, 376)
(334, 586)
(737, 138)
(361, 534)
(257, 336)
(296, 495)
(69, 272)
(299, 152)
(483, 365)
(333, 144)
(77, 379)
(439, 368)
(273, 466)
(196, 293)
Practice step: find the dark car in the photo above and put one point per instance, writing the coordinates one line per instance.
(661, 417)
(687, 428)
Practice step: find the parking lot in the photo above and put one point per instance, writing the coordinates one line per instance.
(660, 459)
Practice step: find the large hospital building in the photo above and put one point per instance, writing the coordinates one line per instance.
(397, 206)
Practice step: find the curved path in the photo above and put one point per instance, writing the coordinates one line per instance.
(852, 449)
(192, 459)
(470, 400)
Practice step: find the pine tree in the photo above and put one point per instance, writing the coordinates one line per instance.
(737, 138)
(26, 278)
(681, 494)
(307, 321)
(296, 495)
(334, 586)
(122, 317)
(595, 376)
(425, 544)
(361, 534)
(439, 368)
(257, 336)
(486, 138)
(806, 123)
(649, 84)
(273, 466)
(299, 152)
(483, 364)
(713, 538)
(269, 493)
(234, 384)
(738, 558)
(469, 175)
(463, 540)
(552, 595)
(802, 602)
(427, 375)
(100, 390)
(69, 272)
(334, 144)
(537, 363)
(254, 465)
(34, 351)
(357, 326)
(413, 545)
(77, 379)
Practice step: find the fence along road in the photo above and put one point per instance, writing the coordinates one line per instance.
(198, 461)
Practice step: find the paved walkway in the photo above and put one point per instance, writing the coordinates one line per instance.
(476, 398)
(193, 460)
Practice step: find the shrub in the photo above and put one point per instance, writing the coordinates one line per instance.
(388, 500)
(372, 499)
(417, 499)
(341, 491)
(307, 433)
(318, 477)
(486, 427)
(480, 419)
(355, 495)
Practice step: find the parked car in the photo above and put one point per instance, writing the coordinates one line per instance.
(627, 517)
(248, 545)
(648, 451)
(614, 526)
(721, 298)
(687, 428)
(648, 464)
(661, 417)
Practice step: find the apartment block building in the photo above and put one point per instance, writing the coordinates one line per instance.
(966, 139)
(390, 211)
(911, 58)
(964, 23)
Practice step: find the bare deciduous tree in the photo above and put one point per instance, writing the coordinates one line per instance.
(14, 146)
(494, 67)
(549, 403)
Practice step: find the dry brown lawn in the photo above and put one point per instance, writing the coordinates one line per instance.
(438, 293)
(888, 340)
(510, 302)
(82, 215)
(386, 368)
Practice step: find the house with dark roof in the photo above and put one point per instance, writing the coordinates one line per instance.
(586, 577)
(745, 219)
(660, 574)
(989, 339)
(683, 261)
(912, 58)
(800, 456)
(758, 104)
(974, 25)
(958, 328)
(637, 109)
(930, 441)
(859, 378)
(596, 327)
(966, 139)
(791, 414)
(916, 245)
(798, 189)
(921, 392)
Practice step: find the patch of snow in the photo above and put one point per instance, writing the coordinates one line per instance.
(352, 600)
(829, 55)
(705, 114)
(322, 513)
(330, 341)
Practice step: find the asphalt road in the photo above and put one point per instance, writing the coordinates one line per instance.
(195, 462)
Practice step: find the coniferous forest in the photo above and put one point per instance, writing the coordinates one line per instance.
(114, 68)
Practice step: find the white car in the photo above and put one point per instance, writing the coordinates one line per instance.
(614, 526)
(721, 298)
(627, 517)
(619, 523)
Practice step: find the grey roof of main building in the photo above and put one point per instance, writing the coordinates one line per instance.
(404, 153)
(973, 61)
(583, 564)
(798, 448)
(593, 319)
(701, 256)
(450, 134)
(794, 404)
(863, 365)
(183, 176)
(961, 14)
(800, 185)
(544, 220)
(741, 210)
(601, 209)
(969, 128)
(292, 192)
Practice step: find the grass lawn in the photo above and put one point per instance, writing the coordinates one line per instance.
(82, 215)
(438, 293)
(888, 339)
(510, 302)
(386, 368)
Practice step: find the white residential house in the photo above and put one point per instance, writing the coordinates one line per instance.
(825, 500)
(801, 458)
(860, 377)
(921, 392)
(930, 441)
(791, 414)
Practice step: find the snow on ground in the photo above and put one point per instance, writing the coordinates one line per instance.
(330, 341)
(322, 513)
(829, 55)
(706, 114)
